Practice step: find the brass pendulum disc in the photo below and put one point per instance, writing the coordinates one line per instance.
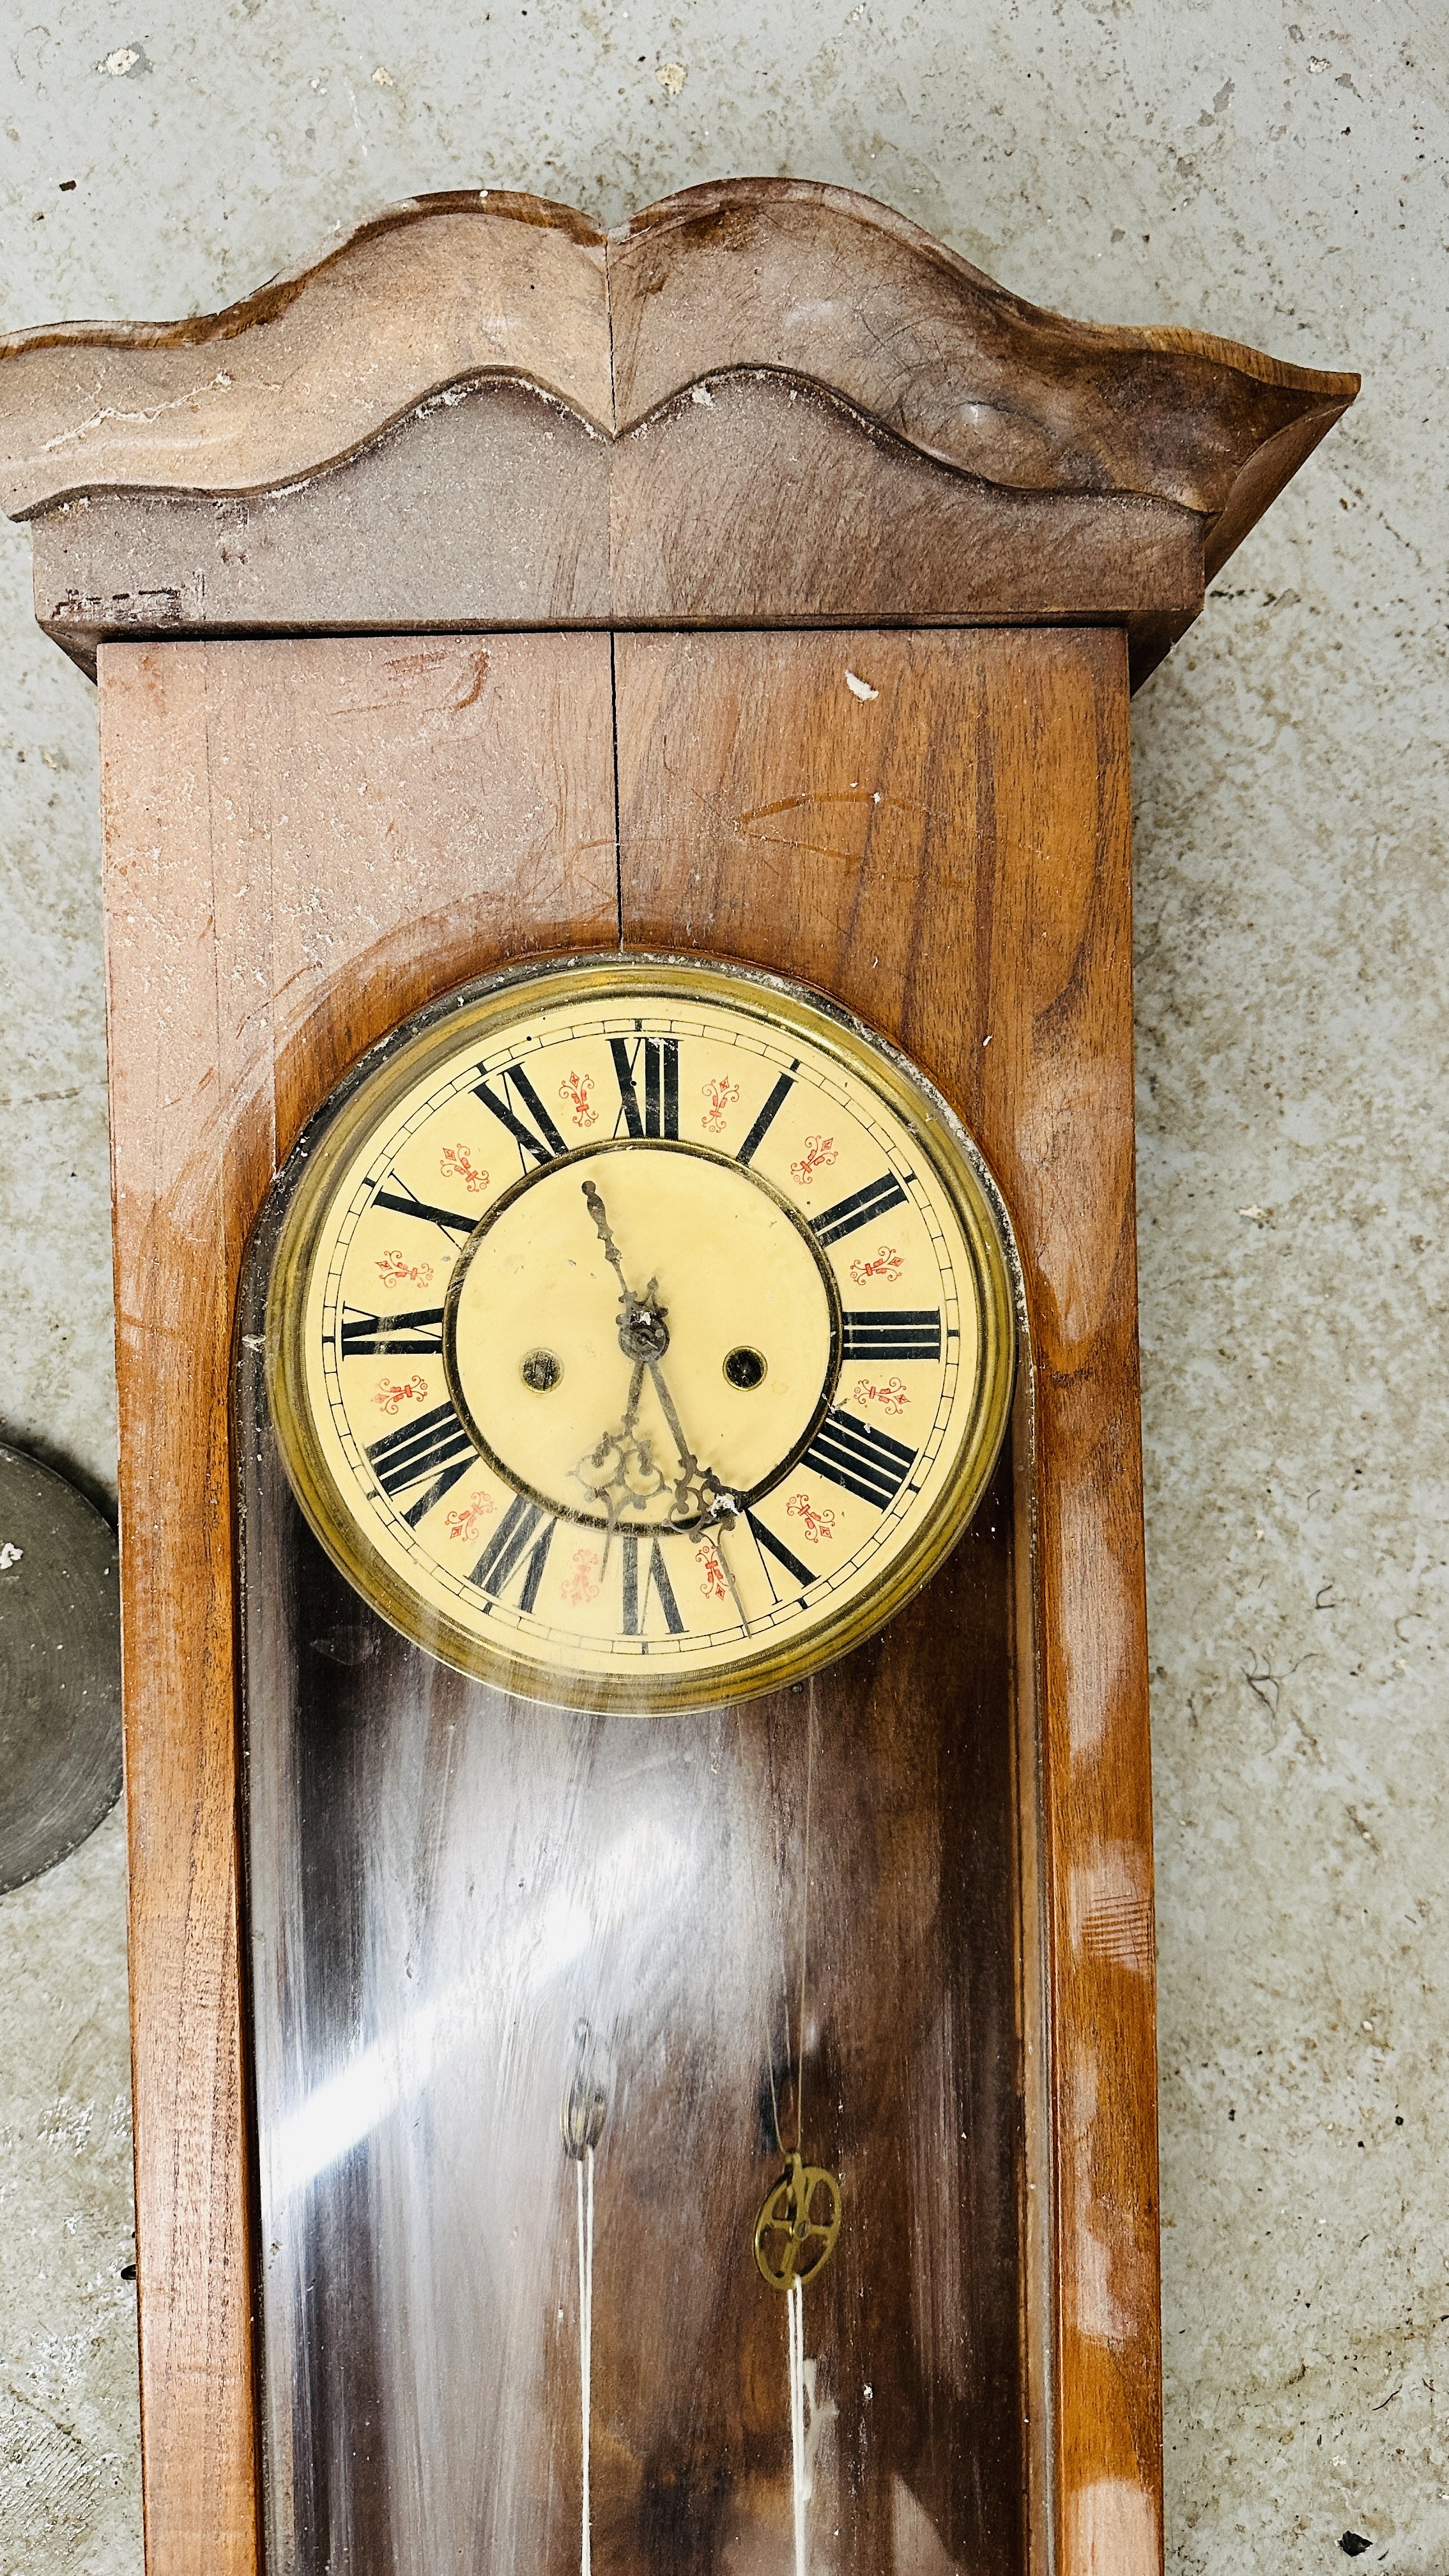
(60, 1668)
(798, 2223)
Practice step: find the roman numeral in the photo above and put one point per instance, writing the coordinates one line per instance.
(435, 1447)
(767, 1543)
(861, 1208)
(883, 1333)
(518, 1108)
(418, 1335)
(766, 1119)
(521, 1540)
(405, 1202)
(656, 1577)
(660, 1113)
(865, 1461)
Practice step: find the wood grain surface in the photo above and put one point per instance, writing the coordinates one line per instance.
(945, 847)
(302, 842)
(840, 290)
(426, 294)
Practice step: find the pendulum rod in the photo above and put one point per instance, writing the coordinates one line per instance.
(795, 2317)
(795, 2304)
(584, 2169)
(581, 2122)
(799, 2219)
(804, 1924)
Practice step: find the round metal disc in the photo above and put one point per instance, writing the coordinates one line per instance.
(60, 1668)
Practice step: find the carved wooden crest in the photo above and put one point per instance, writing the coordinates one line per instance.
(762, 400)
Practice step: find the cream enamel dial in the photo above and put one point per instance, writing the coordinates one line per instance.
(639, 1331)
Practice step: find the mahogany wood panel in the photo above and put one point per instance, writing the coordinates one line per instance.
(409, 534)
(949, 854)
(303, 841)
(816, 513)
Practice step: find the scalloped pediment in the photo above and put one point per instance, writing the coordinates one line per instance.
(955, 452)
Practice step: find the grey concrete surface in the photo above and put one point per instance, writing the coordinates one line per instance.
(1253, 167)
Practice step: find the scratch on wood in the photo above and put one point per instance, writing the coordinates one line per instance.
(480, 674)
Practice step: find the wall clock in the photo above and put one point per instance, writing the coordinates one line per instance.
(620, 1023)
(641, 1332)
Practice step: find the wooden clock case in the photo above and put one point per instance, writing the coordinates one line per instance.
(758, 578)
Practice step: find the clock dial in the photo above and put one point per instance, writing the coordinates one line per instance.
(640, 1331)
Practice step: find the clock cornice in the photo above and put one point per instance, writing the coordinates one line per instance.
(761, 402)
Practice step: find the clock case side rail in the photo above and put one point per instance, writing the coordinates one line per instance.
(1039, 2338)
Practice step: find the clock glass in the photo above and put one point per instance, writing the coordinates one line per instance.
(640, 1332)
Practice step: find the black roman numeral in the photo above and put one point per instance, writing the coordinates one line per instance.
(418, 1335)
(865, 1461)
(660, 1113)
(656, 1575)
(861, 1208)
(766, 1119)
(517, 1106)
(435, 1447)
(881, 1333)
(522, 1539)
(767, 1543)
(405, 1202)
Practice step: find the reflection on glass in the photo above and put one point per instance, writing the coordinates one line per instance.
(530, 2058)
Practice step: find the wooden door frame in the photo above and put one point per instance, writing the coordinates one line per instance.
(195, 1154)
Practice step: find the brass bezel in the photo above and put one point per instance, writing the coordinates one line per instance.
(475, 1013)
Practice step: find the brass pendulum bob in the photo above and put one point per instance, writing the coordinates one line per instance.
(797, 2225)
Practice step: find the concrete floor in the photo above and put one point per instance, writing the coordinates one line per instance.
(1213, 162)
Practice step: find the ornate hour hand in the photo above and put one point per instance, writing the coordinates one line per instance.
(644, 1339)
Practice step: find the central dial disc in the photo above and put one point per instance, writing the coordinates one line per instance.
(710, 1261)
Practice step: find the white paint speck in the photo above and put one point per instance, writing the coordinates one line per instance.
(10, 1555)
(858, 687)
(702, 394)
(382, 77)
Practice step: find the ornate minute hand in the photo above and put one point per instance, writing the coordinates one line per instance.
(701, 1500)
(643, 1330)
